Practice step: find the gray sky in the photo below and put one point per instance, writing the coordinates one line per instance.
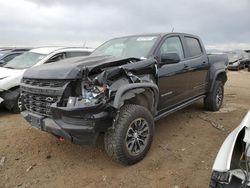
(220, 23)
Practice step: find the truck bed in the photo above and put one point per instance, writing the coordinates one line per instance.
(218, 58)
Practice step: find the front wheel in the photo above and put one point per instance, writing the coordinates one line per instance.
(214, 99)
(17, 105)
(131, 138)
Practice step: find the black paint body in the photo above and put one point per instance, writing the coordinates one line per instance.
(169, 87)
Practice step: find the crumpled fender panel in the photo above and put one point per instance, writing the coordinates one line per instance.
(128, 80)
(224, 156)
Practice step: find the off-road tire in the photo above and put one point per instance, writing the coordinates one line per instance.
(210, 102)
(115, 139)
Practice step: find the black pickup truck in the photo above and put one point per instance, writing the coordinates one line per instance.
(121, 89)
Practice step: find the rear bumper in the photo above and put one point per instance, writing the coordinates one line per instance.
(73, 125)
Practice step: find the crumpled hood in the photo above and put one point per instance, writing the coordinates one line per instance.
(73, 68)
(5, 72)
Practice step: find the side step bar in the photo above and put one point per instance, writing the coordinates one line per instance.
(183, 105)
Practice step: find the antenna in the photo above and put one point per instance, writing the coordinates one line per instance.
(172, 30)
(84, 44)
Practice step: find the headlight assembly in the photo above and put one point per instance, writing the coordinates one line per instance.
(93, 94)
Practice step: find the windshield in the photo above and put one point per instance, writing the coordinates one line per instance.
(24, 61)
(134, 46)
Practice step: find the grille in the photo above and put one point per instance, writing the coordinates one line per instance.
(38, 95)
(44, 83)
(39, 104)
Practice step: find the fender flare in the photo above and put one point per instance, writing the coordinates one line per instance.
(122, 90)
(214, 78)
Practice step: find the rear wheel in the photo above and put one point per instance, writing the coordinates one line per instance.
(131, 138)
(214, 99)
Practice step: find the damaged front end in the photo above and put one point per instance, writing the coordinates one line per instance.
(80, 108)
(231, 168)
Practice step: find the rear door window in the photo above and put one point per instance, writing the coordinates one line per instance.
(193, 46)
(76, 54)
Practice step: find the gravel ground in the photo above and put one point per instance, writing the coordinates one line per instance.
(184, 148)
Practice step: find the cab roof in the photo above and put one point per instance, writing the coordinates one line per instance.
(48, 50)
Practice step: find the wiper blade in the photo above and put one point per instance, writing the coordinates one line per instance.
(9, 67)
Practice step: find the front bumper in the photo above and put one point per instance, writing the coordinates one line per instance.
(1, 100)
(1, 97)
(233, 67)
(80, 126)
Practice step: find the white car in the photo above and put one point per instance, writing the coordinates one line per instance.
(231, 167)
(12, 73)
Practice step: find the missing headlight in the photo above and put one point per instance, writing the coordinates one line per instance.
(93, 94)
(90, 95)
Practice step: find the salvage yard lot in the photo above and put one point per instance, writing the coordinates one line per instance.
(184, 148)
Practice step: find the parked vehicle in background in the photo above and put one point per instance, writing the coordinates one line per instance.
(231, 166)
(121, 89)
(11, 74)
(248, 65)
(246, 59)
(235, 60)
(8, 54)
(215, 51)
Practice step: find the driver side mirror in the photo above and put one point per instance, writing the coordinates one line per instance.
(169, 58)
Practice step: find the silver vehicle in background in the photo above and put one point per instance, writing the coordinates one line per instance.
(12, 73)
(235, 60)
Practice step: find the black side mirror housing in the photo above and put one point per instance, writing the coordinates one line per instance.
(169, 58)
(2, 63)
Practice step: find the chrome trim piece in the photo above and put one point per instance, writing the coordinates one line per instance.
(168, 93)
